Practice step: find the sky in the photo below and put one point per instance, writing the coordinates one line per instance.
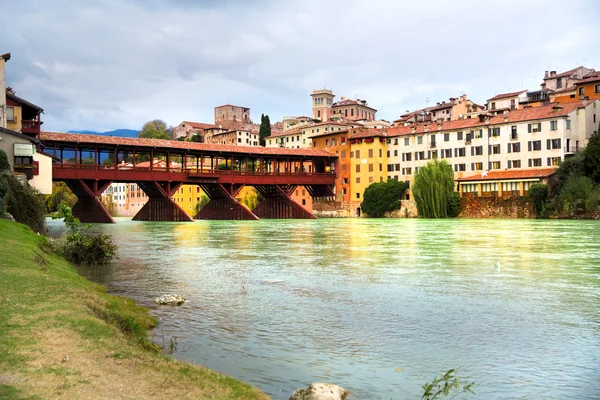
(111, 64)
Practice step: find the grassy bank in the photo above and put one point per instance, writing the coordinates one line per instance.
(62, 336)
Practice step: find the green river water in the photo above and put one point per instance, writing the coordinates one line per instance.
(377, 306)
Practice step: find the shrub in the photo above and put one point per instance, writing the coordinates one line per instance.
(448, 384)
(204, 199)
(80, 246)
(4, 164)
(538, 192)
(578, 195)
(591, 162)
(454, 205)
(23, 202)
(382, 197)
(433, 189)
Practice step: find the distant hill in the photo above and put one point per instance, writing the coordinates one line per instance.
(116, 132)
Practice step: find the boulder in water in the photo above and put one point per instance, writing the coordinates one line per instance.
(170, 299)
(320, 391)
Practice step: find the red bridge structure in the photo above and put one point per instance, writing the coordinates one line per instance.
(88, 164)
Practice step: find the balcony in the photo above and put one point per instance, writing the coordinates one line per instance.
(432, 145)
(571, 149)
(467, 141)
(514, 136)
(31, 127)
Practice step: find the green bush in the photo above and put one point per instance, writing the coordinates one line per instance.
(23, 202)
(4, 164)
(454, 205)
(80, 246)
(382, 197)
(591, 162)
(538, 192)
(578, 196)
(433, 189)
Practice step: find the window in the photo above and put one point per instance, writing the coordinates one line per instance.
(580, 91)
(597, 89)
(358, 179)
(446, 137)
(406, 156)
(358, 195)
(357, 153)
(407, 171)
(559, 83)
(10, 114)
(513, 132)
(495, 149)
(568, 122)
(479, 134)
(553, 125)
(371, 167)
(495, 165)
(514, 147)
(357, 168)
(493, 106)
(514, 164)
(553, 144)
(460, 167)
(447, 153)
(370, 153)
(326, 142)
(380, 153)
(419, 139)
(460, 152)
(494, 132)
(395, 153)
(553, 161)
(459, 136)
(535, 145)
(535, 162)
(534, 127)
(370, 179)
(419, 155)
(478, 166)
(406, 141)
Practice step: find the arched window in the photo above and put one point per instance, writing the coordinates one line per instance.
(319, 114)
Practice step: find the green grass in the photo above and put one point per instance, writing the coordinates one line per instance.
(47, 309)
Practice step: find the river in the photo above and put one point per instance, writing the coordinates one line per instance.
(377, 306)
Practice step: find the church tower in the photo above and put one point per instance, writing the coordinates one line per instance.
(322, 100)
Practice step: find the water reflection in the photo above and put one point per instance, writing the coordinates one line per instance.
(360, 298)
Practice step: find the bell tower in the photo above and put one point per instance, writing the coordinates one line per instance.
(322, 100)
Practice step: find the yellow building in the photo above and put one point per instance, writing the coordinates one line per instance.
(186, 197)
(368, 162)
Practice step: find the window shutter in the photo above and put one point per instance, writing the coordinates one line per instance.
(529, 163)
(518, 147)
(529, 129)
(473, 166)
(489, 149)
(428, 154)
(509, 148)
(489, 166)
(529, 147)
(509, 164)
(489, 132)
(548, 161)
(548, 145)
(472, 151)
(539, 127)
(403, 156)
(559, 146)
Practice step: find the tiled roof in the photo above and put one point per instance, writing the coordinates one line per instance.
(19, 100)
(525, 114)
(510, 174)
(17, 134)
(330, 133)
(200, 125)
(349, 102)
(563, 74)
(372, 132)
(505, 95)
(591, 77)
(565, 90)
(174, 144)
(283, 133)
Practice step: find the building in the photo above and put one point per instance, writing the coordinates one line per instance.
(22, 116)
(337, 142)
(527, 138)
(503, 183)
(232, 117)
(187, 129)
(322, 102)
(235, 137)
(368, 161)
(503, 102)
(354, 110)
(589, 87)
(452, 110)
(555, 86)
(301, 137)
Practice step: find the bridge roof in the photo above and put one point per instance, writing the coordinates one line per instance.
(111, 141)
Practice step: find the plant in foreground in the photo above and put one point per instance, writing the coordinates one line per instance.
(447, 384)
(81, 246)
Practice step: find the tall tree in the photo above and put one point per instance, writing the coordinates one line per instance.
(433, 189)
(156, 129)
(591, 159)
(265, 129)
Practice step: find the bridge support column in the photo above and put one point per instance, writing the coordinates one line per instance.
(89, 208)
(278, 203)
(223, 205)
(160, 206)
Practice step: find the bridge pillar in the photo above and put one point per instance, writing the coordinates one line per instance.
(222, 204)
(89, 208)
(160, 206)
(278, 203)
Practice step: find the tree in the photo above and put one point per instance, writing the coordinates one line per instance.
(382, 197)
(4, 164)
(571, 166)
(250, 199)
(23, 202)
(204, 199)
(155, 129)
(578, 195)
(196, 138)
(61, 194)
(433, 189)
(591, 159)
(538, 192)
(265, 129)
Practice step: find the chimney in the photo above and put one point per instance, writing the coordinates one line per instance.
(481, 117)
(545, 74)
(552, 73)
(556, 108)
(413, 129)
(440, 125)
(426, 127)
(505, 117)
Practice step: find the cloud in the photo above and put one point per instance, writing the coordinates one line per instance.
(118, 63)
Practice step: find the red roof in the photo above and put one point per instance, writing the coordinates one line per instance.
(562, 74)
(514, 116)
(591, 77)
(511, 174)
(200, 125)
(505, 95)
(100, 140)
(372, 132)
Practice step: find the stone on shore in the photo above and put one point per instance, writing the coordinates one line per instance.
(320, 391)
(170, 299)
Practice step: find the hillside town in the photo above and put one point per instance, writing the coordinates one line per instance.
(496, 147)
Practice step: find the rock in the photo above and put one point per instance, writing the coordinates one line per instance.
(170, 299)
(9, 217)
(320, 391)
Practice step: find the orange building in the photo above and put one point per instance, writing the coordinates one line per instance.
(589, 86)
(337, 143)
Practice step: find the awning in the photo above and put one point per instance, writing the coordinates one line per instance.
(24, 150)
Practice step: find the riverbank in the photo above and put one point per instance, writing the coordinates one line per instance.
(64, 336)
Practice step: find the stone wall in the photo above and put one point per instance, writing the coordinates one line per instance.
(337, 209)
(408, 209)
(496, 207)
